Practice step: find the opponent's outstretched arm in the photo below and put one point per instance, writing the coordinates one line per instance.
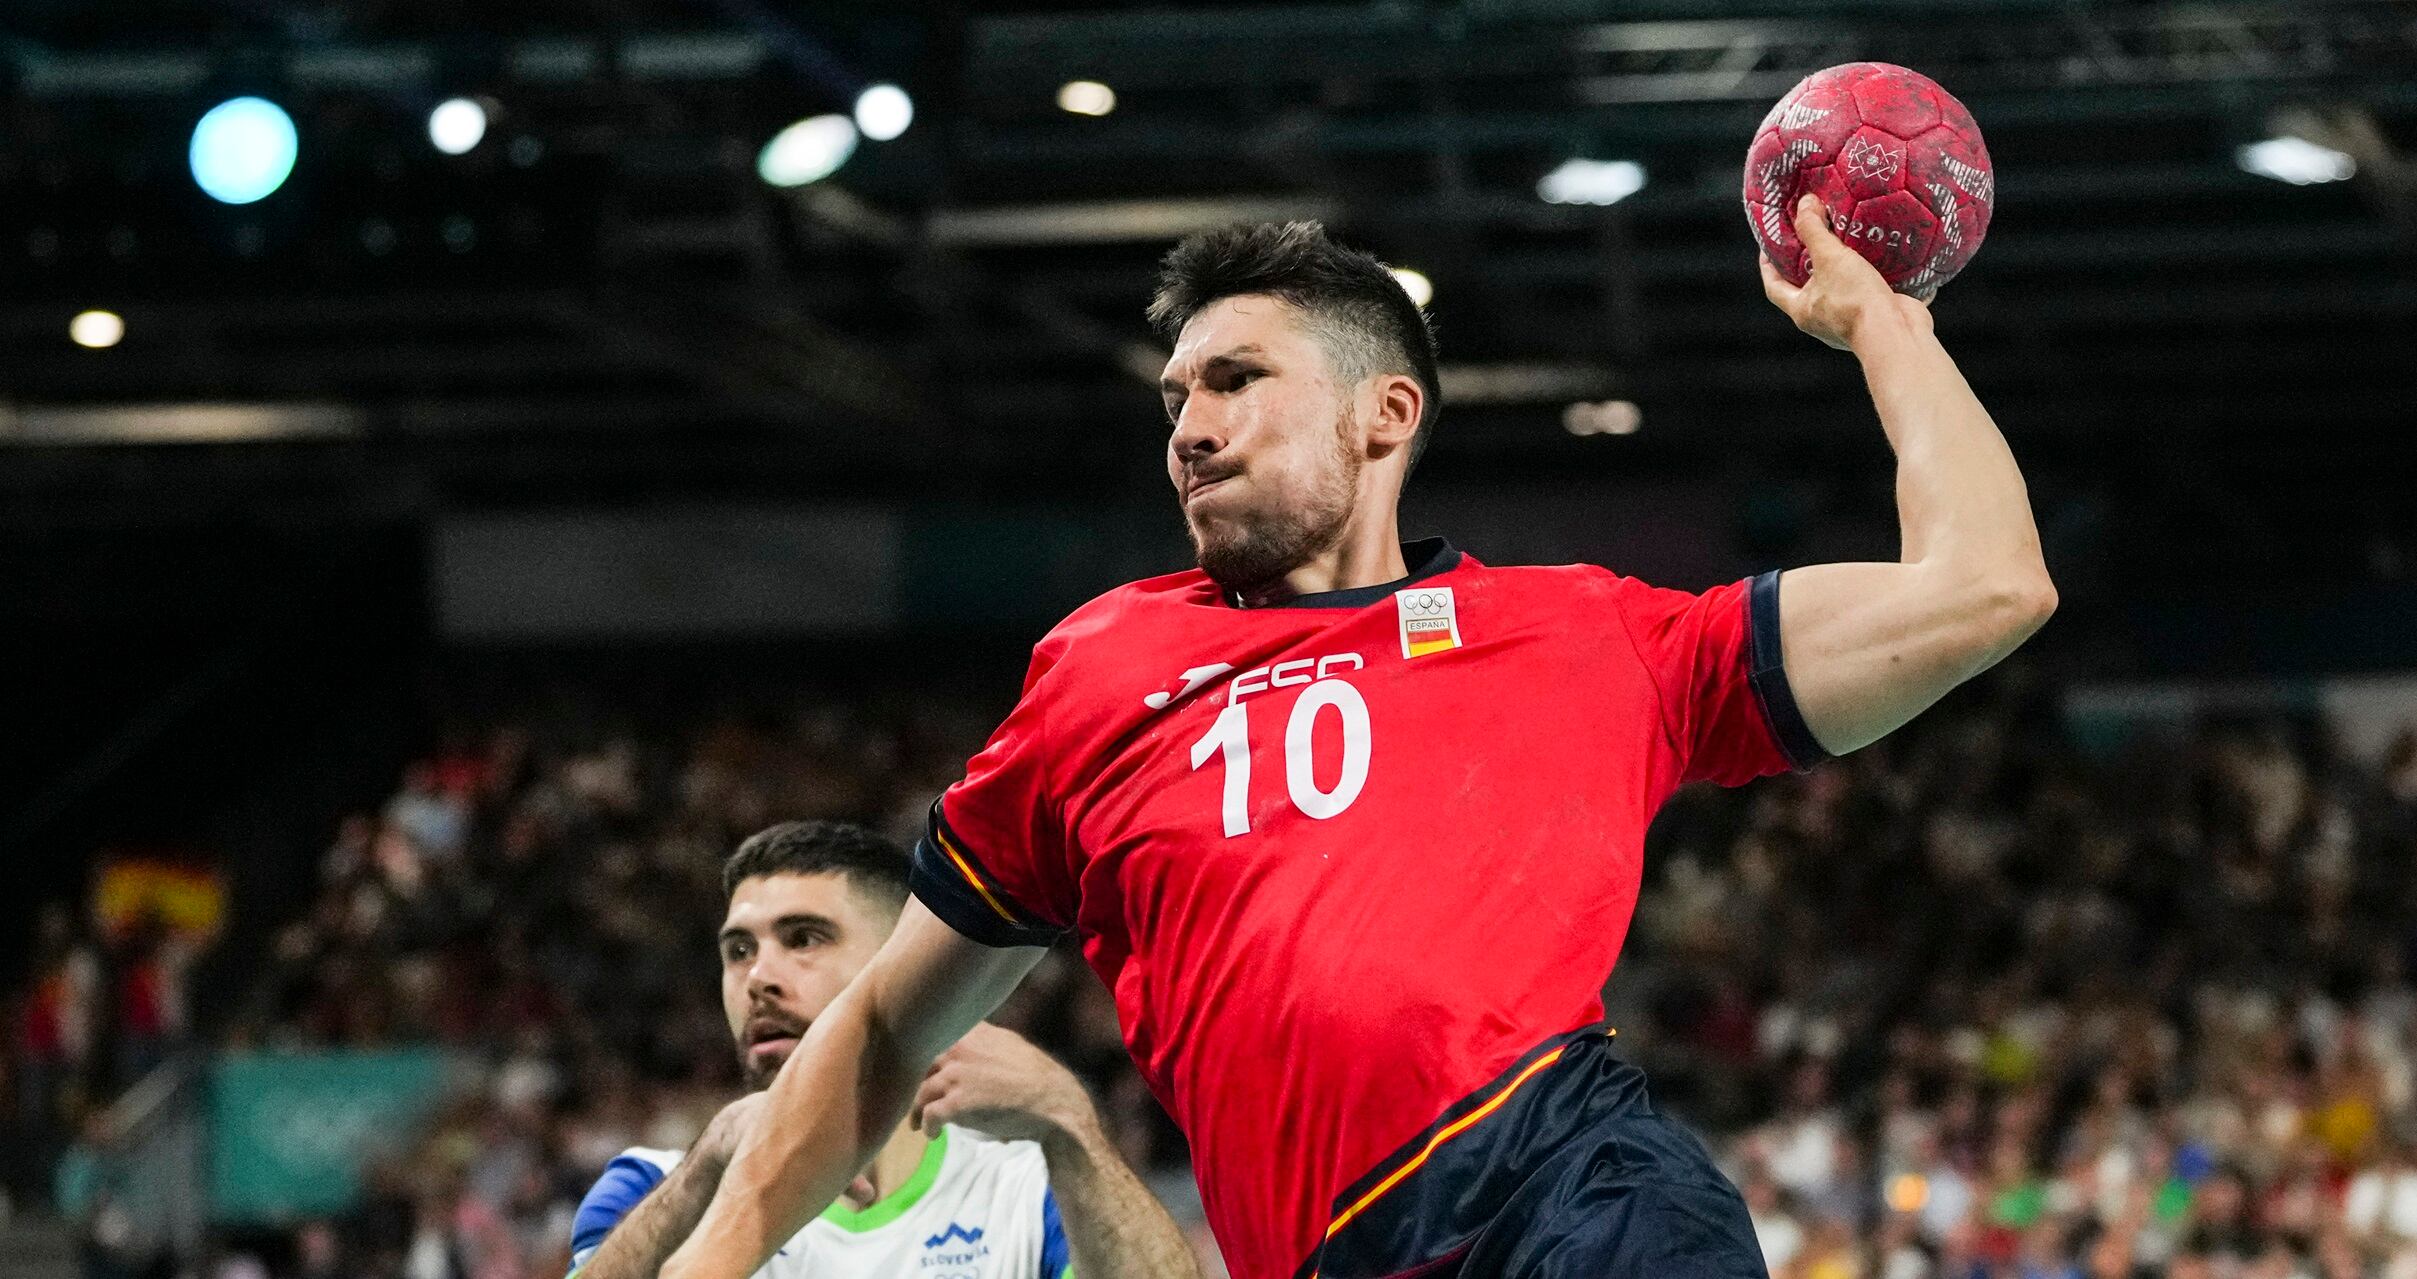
(1001, 1083)
(845, 1088)
(1869, 646)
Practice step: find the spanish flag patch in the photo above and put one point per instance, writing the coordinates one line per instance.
(1430, 623)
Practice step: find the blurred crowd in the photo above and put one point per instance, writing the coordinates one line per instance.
(1975, 1002)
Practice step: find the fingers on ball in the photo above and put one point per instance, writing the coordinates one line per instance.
(1775, 286)
(1813, 227)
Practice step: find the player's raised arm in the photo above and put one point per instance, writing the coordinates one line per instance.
(1869, 646)
(846, 1087)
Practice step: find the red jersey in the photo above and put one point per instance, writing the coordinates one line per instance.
(1353, 863)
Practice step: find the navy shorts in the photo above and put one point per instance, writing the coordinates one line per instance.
(1633, 1195)
(1569, 1173)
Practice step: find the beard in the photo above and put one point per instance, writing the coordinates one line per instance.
(1247, 552)
(760, 1072)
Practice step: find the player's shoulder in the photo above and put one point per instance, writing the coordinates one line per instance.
(1007, 1176)
(1545, 574)
(644, 1163)
(1150, 599)
(626, 1179)
(1550, 581)
(1545, 590)
(1135, 617)
(1584, 579)
(978, 1149)
(629, 1175)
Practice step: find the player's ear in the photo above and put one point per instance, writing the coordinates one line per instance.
(1400, 402)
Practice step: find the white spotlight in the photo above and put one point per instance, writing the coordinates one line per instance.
(456, 125)
(1607, 417)
(96, 329)
(1592, 182)
(883, 112)
(807, 151)
(1416, 284)
(2296, 161)
(1086, 97)
(243, 149)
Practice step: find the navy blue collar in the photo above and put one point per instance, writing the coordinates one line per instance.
(1426, 557)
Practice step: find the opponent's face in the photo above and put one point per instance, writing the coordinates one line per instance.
(1267, 449)
(790, 944)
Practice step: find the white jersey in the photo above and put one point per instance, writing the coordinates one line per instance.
(974, 1208)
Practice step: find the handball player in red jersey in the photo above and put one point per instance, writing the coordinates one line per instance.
(1352, 828)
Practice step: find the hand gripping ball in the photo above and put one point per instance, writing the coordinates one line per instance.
(1895, 159)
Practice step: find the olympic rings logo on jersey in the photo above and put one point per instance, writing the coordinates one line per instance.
(1430, 622)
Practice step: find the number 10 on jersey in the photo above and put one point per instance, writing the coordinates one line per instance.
(1230, 737)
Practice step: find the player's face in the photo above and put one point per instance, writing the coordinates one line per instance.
(790, 944)
(1266, 452)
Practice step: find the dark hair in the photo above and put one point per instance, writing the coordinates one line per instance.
(872, 865)
(1359, 312)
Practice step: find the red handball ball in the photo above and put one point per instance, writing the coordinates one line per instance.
(1895, 159)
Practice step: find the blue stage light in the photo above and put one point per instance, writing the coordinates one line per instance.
(243, 149)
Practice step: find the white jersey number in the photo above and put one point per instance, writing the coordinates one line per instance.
(1230, 737)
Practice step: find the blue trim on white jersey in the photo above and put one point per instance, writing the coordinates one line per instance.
(1057, 1258)
(625, 1181)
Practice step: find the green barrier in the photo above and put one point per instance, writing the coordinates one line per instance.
(291, 1132)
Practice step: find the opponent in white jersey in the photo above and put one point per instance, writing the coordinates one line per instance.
(1002, 1171)
(974, 1208)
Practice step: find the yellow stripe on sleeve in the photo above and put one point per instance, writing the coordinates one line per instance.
(966, 869)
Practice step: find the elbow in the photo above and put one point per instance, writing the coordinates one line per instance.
(2035, 602)
(2017, 605)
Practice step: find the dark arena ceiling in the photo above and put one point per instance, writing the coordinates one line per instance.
(605, 288)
